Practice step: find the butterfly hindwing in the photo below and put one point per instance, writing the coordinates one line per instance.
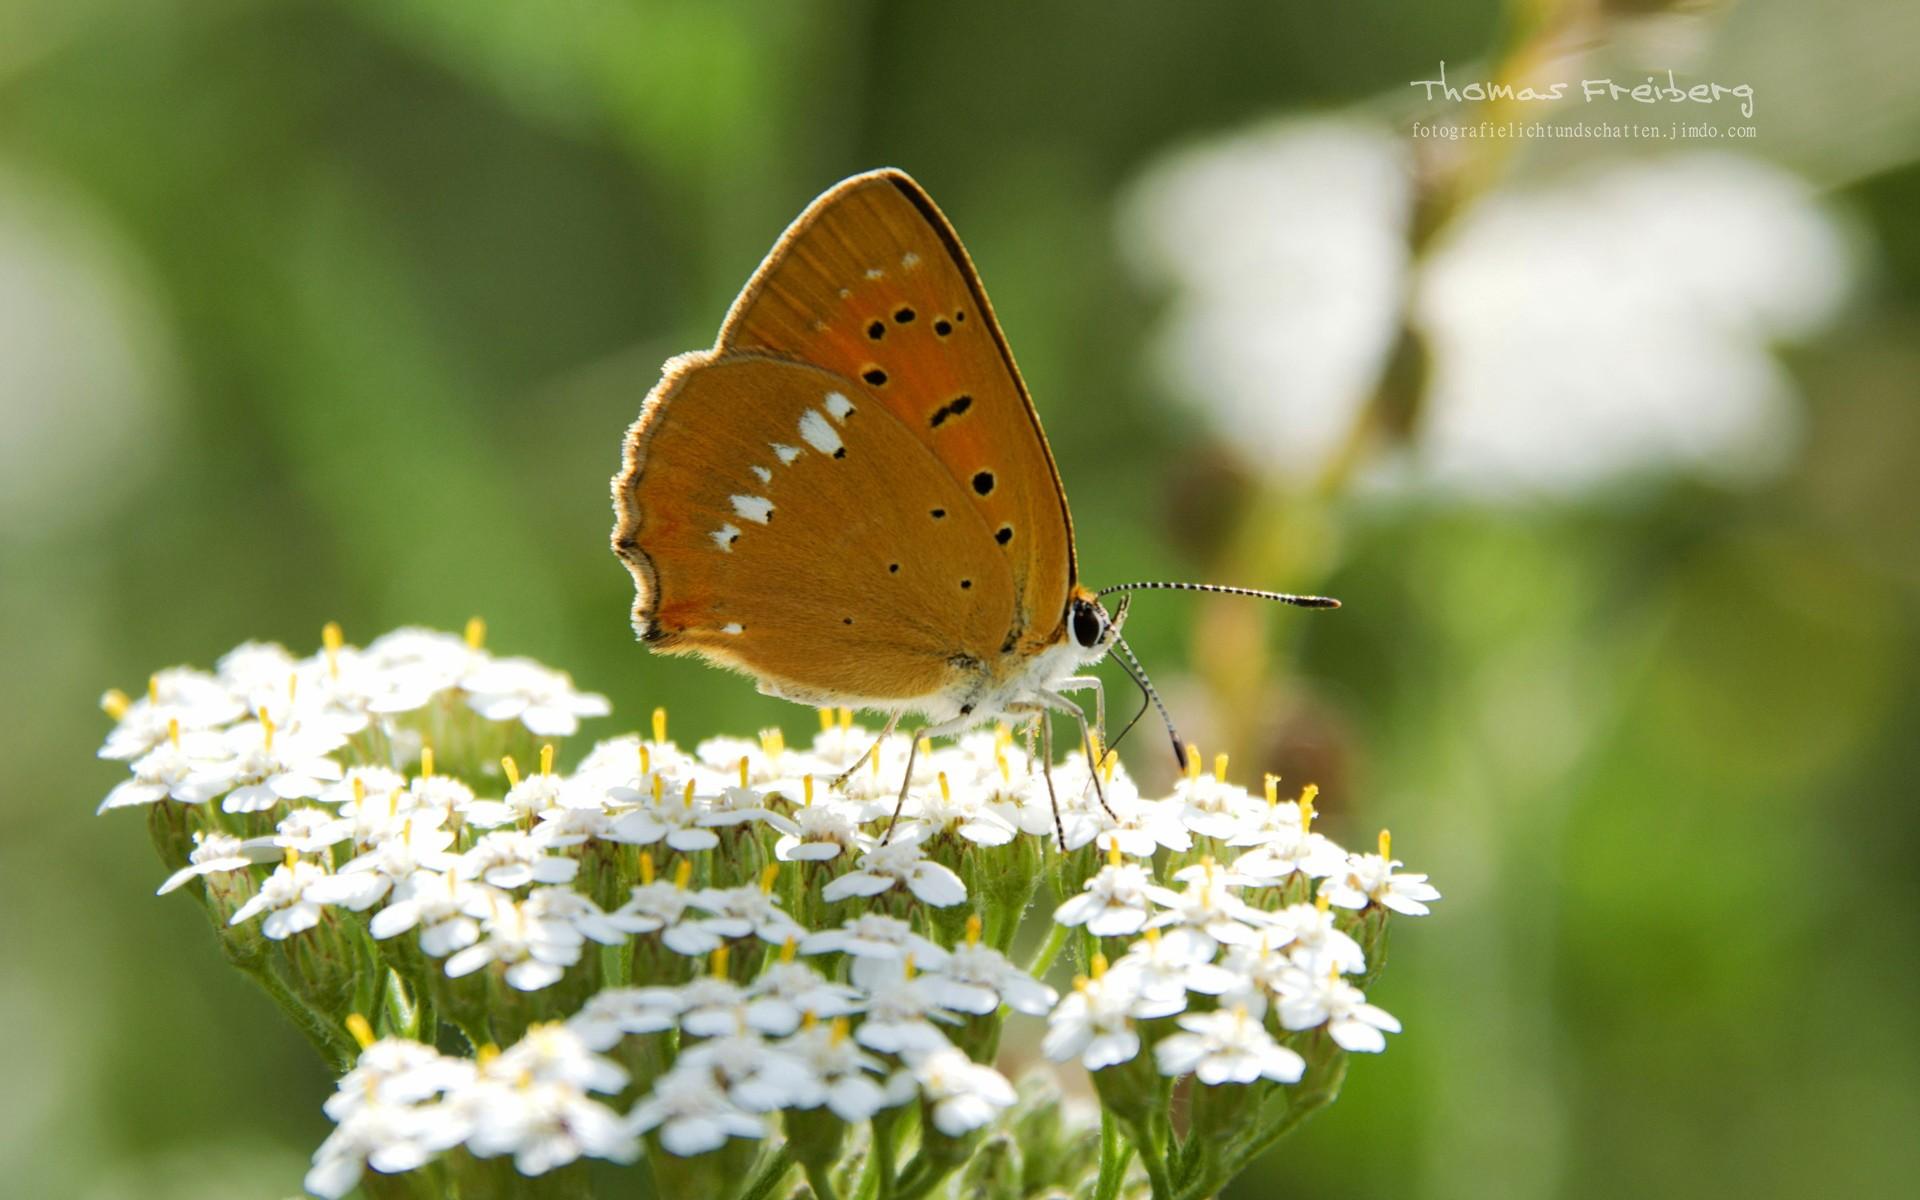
(870, 282)
(780, 521)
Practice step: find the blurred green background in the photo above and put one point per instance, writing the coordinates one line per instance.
(326, 311)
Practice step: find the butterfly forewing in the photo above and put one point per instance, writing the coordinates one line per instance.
(781, 522)
(871, 283)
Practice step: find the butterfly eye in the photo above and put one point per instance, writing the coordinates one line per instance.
(1088, 624)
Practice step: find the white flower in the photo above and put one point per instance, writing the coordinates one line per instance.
(286, 897)
(786, 992)
(546, 1126)
(820, 832)
(1226, 1047)
(748, 909)
(1286, 245)
(1139, 827)
(1115, 902)
(693, 1114)
(215, 854)
(661, 907)
(901, 1010)
(977, 979)
(264, 766)
(613, 1013)
(1286, 849)
(1642, 297)
(305, 831)
(967, 811)
(1210, 806)
(178, 698)
(964, 1094)
(681, 824)
(416, 848)
(536, 940)
(1206, 910)
(164, 772)
(1310, 940)
(842, 1070)
(538, 697)
(553, 1052)
(416, 663)
(390, 1138)
(714, 1006)
(1309, 999)
(1371, 878)
(507, 858)
(445, 907)
(1092, 1023)
(874, 936)
(1161, 971)
(901, 861)
(396, 1071)
(757, 1074)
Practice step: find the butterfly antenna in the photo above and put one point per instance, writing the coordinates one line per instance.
(1162, 585)
(1138, 674)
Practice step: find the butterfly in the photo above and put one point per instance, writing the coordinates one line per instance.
(850, 499)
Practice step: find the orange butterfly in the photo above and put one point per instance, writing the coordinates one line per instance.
(850, 498)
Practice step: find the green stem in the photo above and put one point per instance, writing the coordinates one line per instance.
(821, 1181)
(1114, 1153)
(1049, 950)
(768, 1180)
(1151, 1158)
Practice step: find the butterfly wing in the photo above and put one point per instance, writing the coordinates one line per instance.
(870, 282)
(779, 521)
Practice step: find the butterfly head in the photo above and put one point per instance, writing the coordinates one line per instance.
(1090, 627)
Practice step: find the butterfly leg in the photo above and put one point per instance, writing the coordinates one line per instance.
(1078, 683)
(1046, 769)
(840, 780)
(1059, 703)
(913, 752)
(1081, 683)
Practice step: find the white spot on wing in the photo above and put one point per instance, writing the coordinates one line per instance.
(815, 431)
(723, 537)
(764, 475)
(875, 273)
(733, 628)
(838, 406)
(753, 508)
(786, 454)
(909, 260)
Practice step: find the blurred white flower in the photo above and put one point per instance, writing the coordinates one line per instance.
(262, 766)
(1309, 999)
(540, 698)
(842, 1072)
(1613, 322)
(1226, 1047)
(613, 1013)
(964, 1094)
(1287, 252)
(692, 1113)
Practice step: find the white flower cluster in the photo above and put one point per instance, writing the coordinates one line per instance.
(758, 919)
